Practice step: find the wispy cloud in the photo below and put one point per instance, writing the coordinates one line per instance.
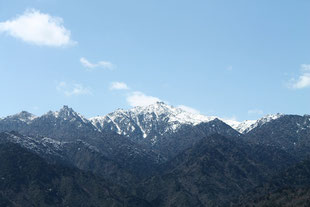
(138, 98)
(119, 86)
(189, 109)
(101, 64)
(38, 28)
(72, 89)
(255, 112)
(303, 81)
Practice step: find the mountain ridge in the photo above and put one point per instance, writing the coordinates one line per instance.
(174, 114)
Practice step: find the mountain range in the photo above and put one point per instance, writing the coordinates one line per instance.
(158, 155)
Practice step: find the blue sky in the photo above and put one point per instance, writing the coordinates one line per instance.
(235, 59)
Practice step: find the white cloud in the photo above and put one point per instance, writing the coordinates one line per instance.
(303, 81)
(118, 86)
(72, 89)
(255, 112)
(189, 109)
(38, 28)
(86, 63)
(100, 64)
(138, 98)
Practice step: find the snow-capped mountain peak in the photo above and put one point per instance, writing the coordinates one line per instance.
(241, 127)
(270, 117)
(67, 113)
(140, 122)
(247, 125)
(23, 116)
(174, 114)
(266, 119)
(152, 120)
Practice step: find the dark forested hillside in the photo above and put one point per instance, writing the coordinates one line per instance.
(288, 132)
(213, 172)
(27, 180)
(289, 188)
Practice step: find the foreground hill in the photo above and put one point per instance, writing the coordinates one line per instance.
(28, 180)
(290, 188)
(74, 154)
(213, 172)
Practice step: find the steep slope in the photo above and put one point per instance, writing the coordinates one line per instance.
(248, 125)
(148, 122)
(27, 180)
(288, 132)
(213, 172)
(16, 122)
(47, 148)
(85, 157)
(290, 188)
(187, 136)
(65, 125)
(241, 127)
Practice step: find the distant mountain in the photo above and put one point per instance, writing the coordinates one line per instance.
(27, 180)
(164, 128)
(241, 127)
(65, 125)
(288, 132)
(140, 123)
(213, 172)
(248, 125)
(186, 136)
(16, 122)
(160, 119)
(148, 122)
